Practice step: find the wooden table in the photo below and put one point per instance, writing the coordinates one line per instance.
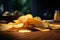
(51, 35)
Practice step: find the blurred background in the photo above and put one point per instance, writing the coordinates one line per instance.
(42, 8)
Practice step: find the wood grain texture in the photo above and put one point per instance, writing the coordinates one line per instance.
(38, 35)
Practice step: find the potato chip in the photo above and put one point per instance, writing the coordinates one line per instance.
(37, 18)
(6, 27)
(54, 26)
(18, 25)
(29, 16)
(42, 29)
(24, 31)
(45, 23)
(12, 30)
(22, 19)
(16, 21)
(38, 24)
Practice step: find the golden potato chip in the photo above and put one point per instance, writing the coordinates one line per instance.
(45, 30)
(29, 16)
(37, 18)
(42, 29)
(30, 20)
(11, 23)
(38, 23)
(18, 25)
(45, 23)
(6, 27)
(24, 31)
(12, 30)
(16, 21)
(54, 26)
(22, 19)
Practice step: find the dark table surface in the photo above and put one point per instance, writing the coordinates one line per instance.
(38, 35)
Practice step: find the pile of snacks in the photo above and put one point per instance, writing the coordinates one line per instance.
(26, 23)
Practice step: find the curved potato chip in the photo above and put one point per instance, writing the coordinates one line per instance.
(6, 27)
(13, 30)
(17, 21)
(24, 31)
(19, 25)
(29, 16)
(22, 19)
(45, 23)
(37, 18)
